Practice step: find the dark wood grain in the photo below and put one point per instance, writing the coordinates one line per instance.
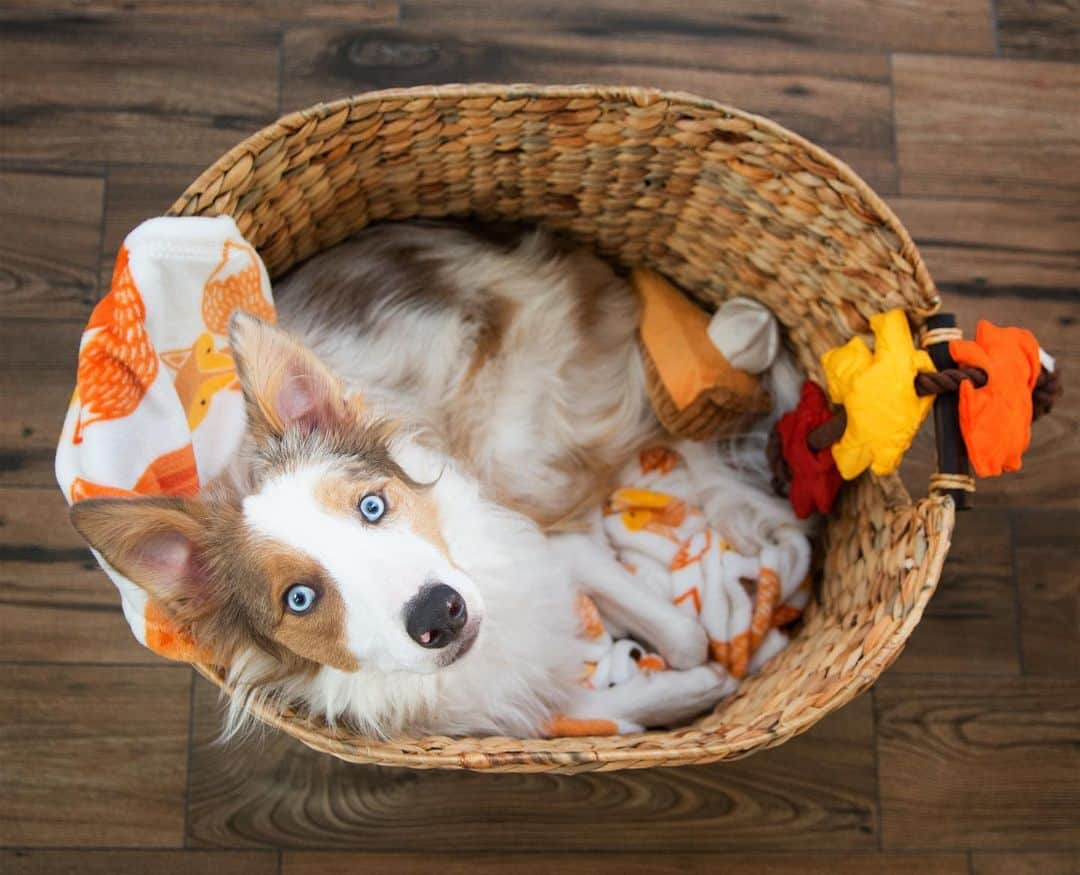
(962, 26)
(130, 90)
(990, 249)
(1067, 863)
(33, 411)
(1047, 545)
(33, 346)
(85, 862)
(56, 604)
(199, 10)
(803, 863)
(50, 228)
(970, 625)
(988, 128)
(37, 376)
(814, 792)
(93, 756)
(991, 763)
(1039, 28)
(841, 99)
(135, 193)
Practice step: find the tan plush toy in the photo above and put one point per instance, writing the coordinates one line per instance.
(696, 392)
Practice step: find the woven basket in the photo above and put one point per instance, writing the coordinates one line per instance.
(722, 203)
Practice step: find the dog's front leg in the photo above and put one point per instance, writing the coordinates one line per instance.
(647, 700)
(632, 605)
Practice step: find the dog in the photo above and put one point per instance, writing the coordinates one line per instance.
(401, 541)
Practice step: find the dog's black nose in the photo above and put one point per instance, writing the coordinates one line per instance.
(435, 616)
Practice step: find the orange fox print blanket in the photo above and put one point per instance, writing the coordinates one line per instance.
(157, 408)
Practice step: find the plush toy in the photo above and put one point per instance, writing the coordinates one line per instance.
(815, 480)
(877, 390)
(996, 419)
(987, 392)
(746, 333)
(697, 392)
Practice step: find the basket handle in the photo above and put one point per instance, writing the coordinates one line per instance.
(953, 475)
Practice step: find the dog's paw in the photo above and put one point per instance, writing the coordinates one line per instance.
(706, 684)
(673, 697)
(684, 644)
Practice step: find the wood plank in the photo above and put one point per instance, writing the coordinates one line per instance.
(33, 411)
(1039, 29)
(93, 756)
(1045, 544)
(996, 248)
(842, 100)
(817, 791)
(963, 26)
(125, 89)
(187, 862)
(992, 763)
(37, 377)
(1014, 264)
(972, 127)
(56, 604)
(970, 625)
(357, 11)
(135, 193)
(50, 227)
(1067, 863)
(803, 863)
(35, 346)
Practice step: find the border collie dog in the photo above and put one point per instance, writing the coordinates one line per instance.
(403, 537)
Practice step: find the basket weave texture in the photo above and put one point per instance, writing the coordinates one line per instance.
(722, 203)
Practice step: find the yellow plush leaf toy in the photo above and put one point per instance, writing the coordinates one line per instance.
(877, 390)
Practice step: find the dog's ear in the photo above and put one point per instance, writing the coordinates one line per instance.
(153, 542)
(283, 382)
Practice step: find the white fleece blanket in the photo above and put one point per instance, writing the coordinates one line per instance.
(656, 526)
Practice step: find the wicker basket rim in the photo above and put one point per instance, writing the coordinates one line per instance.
(638, 95)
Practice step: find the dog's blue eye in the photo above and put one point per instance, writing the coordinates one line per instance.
(372, 507)
(299, 598)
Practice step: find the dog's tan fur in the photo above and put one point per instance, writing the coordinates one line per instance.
(217, 580)
(475, 327)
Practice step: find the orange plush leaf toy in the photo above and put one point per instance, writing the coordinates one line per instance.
(996, 419)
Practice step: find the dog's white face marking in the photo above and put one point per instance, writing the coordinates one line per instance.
(377, 567)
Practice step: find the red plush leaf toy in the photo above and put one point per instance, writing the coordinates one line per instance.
(814, 478)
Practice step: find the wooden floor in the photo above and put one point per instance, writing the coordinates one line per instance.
(965, 757)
